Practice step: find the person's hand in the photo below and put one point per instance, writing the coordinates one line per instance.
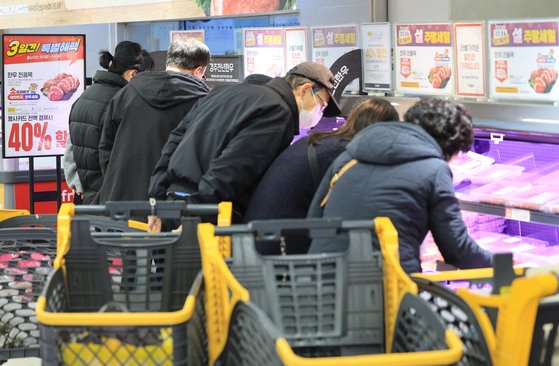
(177, 230)
(154, 224)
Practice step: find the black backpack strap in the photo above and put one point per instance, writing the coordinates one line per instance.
(313, 165)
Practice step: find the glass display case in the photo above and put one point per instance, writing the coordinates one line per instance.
(508, 184)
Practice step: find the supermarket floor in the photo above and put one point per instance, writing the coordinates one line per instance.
(30, 361)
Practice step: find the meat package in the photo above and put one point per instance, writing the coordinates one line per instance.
(62, 87)
(439, 76)
(543, 79)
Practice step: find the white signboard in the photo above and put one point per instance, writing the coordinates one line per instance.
(470, 59)
(523, 59)
(377, 61)
(296, 49)
(424, 59)
(264, 51)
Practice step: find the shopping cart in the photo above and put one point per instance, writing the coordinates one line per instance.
(324, 309)
(27, 252)
(514, 325)
(122, 298)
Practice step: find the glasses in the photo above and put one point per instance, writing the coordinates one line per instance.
(322, 101)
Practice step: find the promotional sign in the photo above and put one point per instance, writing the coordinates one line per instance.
(424, 59)
(470, 59)
(264, 51)
(296, 49)
(42, 13)
(43, 77)
(523, 59)
(183, 34)
(330, 43)
(224, 70)
(377, 61)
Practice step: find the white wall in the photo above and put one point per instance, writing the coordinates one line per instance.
(405, 11)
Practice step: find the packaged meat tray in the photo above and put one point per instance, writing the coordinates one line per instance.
(552, 206)
(542, 256)
(495, 173)
(467, 162)
(534, 198)
(549, 179)
(498, 193)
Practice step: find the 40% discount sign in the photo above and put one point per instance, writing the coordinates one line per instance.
(29, 136)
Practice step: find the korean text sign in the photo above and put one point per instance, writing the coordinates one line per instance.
(424, 59)
(264, 51)
(523, 59)
(470, 59)
(43, 77)
(377, 60)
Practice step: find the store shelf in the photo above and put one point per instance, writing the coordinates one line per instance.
(511, 213)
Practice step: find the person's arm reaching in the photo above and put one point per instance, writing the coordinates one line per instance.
(448, 229)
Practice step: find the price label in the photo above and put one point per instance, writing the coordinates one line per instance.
(517, 214)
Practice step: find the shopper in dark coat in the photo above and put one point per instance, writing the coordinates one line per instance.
(224, 145)
(141, 117)
(81, 159)
(287, 188)
(402, 173)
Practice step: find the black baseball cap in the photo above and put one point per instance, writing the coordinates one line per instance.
(321, 75)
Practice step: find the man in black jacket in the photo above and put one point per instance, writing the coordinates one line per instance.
(143, 114)
(227, 141)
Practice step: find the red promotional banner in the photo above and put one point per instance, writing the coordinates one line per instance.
(43, 77)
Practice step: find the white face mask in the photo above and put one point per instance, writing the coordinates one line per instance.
(310, 119)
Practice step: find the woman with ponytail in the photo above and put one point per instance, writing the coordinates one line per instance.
(81, 159)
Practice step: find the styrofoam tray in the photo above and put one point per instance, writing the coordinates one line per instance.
(470, 161)
(498, 193)
(549, 179)
(534, 198)
(495, 173)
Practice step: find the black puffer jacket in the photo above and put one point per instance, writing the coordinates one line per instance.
(86, 123)
(401, 174)
(139, 121)
(227, 141)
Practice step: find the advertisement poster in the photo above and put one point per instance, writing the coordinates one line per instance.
(41, 13)
(523, 59)
(470, 59)
(296, 49)
(178, 34)
(377, 60)
(424, 59)
(264, 51)
(43, 77)
(330, 43)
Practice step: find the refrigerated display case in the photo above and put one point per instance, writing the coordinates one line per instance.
(508, 184)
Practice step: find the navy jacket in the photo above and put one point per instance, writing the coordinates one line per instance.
(401, 174)
(287, 188)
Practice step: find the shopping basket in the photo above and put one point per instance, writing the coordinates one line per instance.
(333, 308)
(516, 325)
(121, 298)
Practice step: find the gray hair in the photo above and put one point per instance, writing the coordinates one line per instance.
(188, 54)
